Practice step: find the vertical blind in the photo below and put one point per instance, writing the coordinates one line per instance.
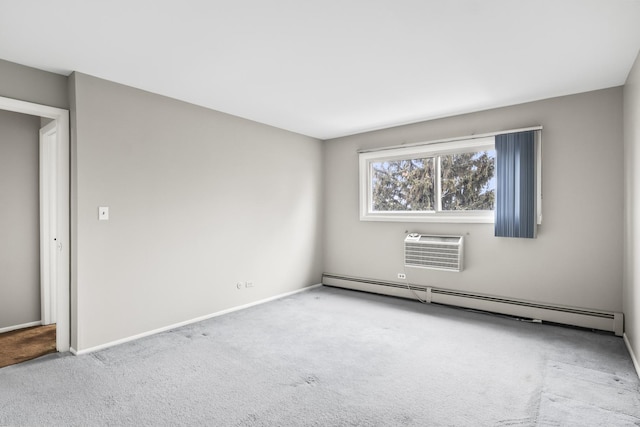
(516, 186)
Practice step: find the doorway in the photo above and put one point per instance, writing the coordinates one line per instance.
(54, 215)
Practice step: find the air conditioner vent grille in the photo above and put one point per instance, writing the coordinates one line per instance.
(437, 252)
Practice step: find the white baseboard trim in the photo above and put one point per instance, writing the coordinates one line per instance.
(636, 364)
(188, 322)
(24, 325)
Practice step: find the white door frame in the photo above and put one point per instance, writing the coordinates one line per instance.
(61, 227)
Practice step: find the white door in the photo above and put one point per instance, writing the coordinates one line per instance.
(48, 223)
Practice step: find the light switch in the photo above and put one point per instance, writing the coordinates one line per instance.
(103, 213)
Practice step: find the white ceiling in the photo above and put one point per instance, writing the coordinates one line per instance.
(328, 68)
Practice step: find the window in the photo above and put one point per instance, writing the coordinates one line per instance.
(452, 181)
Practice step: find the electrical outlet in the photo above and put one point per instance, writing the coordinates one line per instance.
(249, 284)
(402, 276)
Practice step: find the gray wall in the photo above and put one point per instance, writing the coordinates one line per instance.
(32, 85)
(576, 259)
(631, 295)
(19, 220)
(199, 200)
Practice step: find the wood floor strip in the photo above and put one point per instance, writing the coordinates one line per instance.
(26, 344)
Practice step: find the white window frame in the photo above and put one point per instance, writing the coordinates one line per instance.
(427, 150)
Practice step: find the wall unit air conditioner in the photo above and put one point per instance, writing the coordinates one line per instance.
(435, 252)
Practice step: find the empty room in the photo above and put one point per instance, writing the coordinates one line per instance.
(320, 213)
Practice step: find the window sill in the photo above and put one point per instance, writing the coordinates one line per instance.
(466, 218)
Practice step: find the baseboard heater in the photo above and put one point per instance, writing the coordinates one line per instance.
(586, 318)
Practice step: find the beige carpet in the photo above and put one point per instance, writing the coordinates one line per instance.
(26, 344)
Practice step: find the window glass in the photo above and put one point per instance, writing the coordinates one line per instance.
(468, 181)
(403, 185)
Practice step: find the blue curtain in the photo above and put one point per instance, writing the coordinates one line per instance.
(516, 186)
